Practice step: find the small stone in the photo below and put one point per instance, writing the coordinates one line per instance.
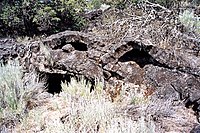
(68, 48)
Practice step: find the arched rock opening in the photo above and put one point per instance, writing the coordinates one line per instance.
(79, 46)
(140, 55)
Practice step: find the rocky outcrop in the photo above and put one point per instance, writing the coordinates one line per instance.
(172, 73)
(78, 53)
(170, 69)
(10, 49)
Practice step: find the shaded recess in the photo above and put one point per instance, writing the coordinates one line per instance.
(194, 104)
(79, 46)
(140, 55)
(108, 74)
(54, 81)
(76, 44)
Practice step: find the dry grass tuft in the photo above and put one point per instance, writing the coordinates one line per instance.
(16, 90)
(76, 110)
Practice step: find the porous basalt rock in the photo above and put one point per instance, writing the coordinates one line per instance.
(130, 61)
(68, 48)
(10, 49)
(163, 58)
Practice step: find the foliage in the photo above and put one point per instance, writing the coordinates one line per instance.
(76, 109)
(16, 89)
(121, 4)
(81, 87)
(45, 18)
(33, 17)
(29, 17)
(190, 21)
(13, 19)
(76, 87)
(11, 86)
(94, 4)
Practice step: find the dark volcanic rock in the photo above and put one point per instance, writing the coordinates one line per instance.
(149, 48)
(170, 68)
(180, 60)
(168, 71)
(68, 48)
(130, 61)
(171, 81)
(10, 49)
(172, 74)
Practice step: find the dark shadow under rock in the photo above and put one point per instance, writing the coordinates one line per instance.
(196, 129)
(54, 81)
(140, 55)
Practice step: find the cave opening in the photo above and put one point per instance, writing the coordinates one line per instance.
(54, 82)
(79, 46)
(140, 55)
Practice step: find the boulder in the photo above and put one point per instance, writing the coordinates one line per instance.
(157, 54)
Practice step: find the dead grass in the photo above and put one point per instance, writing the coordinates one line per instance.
(76, 110)
(16, 90)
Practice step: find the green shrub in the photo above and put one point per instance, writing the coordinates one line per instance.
(190, 21)
(121, 4)
(94, 4)
(11, 86)
(16, 89)
(46, 18)
(76, 109)
(33, 17)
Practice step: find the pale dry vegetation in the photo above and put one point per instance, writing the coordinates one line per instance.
(190, 21)
(75, 109)
(16, 90)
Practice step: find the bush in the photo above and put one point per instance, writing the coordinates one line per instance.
(60, 15)
(16, 89)
(17, 17)
(94, 4)
(121, 4)
(33, 17)
(188, 19)
(76, 109)
(11, 87)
